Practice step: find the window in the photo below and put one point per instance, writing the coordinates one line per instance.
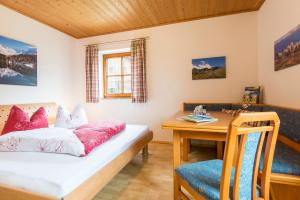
(117, 75)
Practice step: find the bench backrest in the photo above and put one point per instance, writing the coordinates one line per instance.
(290, 121)
(290, 118)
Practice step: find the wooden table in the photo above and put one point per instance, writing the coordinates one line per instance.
(215, 131)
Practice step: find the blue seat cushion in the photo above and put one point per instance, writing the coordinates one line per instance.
(285, 161)
(205, 177)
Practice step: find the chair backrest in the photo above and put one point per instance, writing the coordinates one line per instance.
(248, 133)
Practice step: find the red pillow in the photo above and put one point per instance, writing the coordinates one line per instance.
(18, 120)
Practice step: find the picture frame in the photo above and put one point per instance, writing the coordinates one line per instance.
(287, 50)
(18, 62)
(209, 68)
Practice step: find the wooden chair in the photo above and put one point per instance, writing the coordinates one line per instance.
(236, 177)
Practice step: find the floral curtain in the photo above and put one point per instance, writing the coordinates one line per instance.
(138, 69)
(92, 74)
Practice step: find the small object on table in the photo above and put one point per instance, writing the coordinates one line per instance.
(200, 110)
(243, 109)
(204, 110)
(199, 118)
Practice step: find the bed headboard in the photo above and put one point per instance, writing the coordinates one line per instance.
(50, 108)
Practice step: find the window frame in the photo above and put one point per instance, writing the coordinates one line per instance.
(115, 55)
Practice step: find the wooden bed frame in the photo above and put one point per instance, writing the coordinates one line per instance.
(88, 189)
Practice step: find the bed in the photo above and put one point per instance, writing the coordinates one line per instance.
(47, 176)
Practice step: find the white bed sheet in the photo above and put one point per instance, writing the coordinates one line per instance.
(58, 175)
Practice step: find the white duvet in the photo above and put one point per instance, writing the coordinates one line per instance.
(48, 140)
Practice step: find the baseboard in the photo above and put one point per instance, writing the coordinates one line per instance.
(161, 142)
(194, 143)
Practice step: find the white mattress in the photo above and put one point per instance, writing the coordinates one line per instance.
(57, 175)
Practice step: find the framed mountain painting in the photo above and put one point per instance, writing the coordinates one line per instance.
(209, 68)
(287, 50)
(18, 62)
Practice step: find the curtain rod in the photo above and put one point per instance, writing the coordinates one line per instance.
(110, 42)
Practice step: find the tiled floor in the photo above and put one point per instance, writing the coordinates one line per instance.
(150, 179)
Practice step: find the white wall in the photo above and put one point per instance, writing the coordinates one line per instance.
(247, 40)
(170, 50)
(54, 60)
(275, 19)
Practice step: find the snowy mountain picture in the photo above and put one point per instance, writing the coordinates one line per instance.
(209, 68)
(287, 50)
(18, 62)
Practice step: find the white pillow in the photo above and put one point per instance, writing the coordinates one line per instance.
(65, 119)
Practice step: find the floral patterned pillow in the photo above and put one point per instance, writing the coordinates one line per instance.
(73, 120)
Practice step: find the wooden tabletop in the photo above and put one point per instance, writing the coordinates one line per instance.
(175, 123)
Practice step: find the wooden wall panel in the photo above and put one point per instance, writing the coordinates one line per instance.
(85, 18)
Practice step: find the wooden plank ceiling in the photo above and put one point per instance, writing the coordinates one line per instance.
(84, 18)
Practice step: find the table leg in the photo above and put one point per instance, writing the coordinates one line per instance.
(220, 147)
(145, 151)
(186, 149)
(176, 162)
